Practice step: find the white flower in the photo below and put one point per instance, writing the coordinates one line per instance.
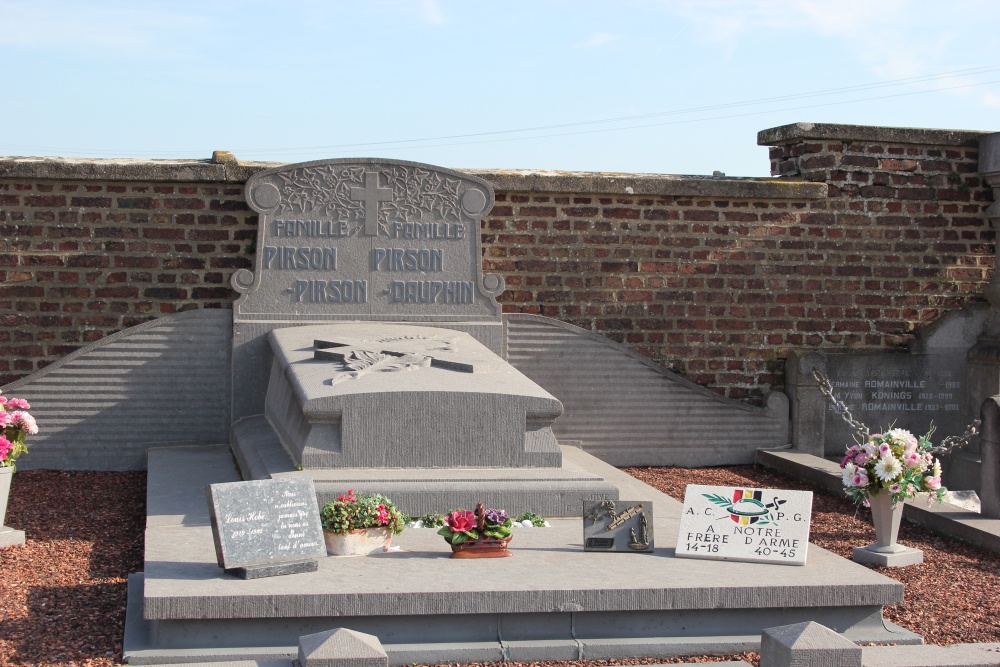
(936, 472)
(848, 473)
(527, 523)
(888, 468)
(870, 450)
(904, 438)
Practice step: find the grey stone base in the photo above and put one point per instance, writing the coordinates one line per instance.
(899, 558)
(10, 537)
(550, 492)
(550, 600)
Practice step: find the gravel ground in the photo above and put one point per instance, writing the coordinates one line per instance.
(62, 596)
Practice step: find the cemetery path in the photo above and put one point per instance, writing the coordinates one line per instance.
(62, 595)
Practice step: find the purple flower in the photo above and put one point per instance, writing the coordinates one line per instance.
(496, 516)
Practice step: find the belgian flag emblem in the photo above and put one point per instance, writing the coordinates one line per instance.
(747, 507)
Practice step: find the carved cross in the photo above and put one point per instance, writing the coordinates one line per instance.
(360, 356)
(371, 195)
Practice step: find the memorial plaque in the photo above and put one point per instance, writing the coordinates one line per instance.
(267, 527)
(367, 239)
(745, 524)
(618, 525)
(896, 390)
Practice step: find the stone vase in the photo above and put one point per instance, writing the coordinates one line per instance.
(6, 473)
(360, 542)
(886, 516)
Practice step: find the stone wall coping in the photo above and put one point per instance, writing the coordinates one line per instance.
(795, 132)
(508, 180)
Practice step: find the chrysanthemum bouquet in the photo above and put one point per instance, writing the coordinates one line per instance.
(463, 525)
(364, 510)
(896, 462)
(15, 427)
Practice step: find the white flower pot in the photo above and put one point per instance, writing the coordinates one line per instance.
(359, 542)
(886, 516)
(6, 473)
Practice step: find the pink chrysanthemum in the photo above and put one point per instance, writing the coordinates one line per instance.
(5, 447)
(25, 421)
(18, 403)
(5, 419)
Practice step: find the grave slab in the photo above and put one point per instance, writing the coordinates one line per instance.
(550, 593)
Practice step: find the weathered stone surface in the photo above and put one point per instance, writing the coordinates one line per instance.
(807, 643)
(745, 524)
(793, 132)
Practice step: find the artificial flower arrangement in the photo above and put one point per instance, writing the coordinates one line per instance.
(351, 512)
(463, 525)
(15, 426)
(895, 461)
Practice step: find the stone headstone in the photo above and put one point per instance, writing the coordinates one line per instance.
(265, 528)
(622, 525)
(361, 239)
(745, 524)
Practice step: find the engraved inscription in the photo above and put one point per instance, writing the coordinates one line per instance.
(309, 258)
(407, 259)
(330, 291)
(431, 291)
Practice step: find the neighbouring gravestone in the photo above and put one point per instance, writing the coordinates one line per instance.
(265, 528)
(745, 524)
(903, 389)
(623, 525)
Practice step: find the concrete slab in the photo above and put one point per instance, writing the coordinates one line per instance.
(549, 599)
(959, 655)
(9, 537)
(898, 558)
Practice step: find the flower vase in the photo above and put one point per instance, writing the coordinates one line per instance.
(360, 542)
(886, 516)
(483, 547)
(6, 473)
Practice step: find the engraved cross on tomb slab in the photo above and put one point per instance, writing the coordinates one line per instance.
(362, 356)
(371, 195)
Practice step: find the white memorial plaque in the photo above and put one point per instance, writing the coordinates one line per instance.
(746, 524)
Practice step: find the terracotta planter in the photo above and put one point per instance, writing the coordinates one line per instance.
(6, 473)
(360, 542)
(886, 516)
(484, 547)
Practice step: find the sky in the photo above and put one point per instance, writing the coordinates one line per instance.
(648, 86)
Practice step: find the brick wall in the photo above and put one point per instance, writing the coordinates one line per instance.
(869, 234)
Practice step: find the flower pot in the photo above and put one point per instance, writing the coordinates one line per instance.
(360, 542)
(886, 516)
(6, 473)
(484, 547)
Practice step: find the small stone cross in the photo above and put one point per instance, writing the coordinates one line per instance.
(371, 195)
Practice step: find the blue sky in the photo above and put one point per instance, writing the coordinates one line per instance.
(624, 85)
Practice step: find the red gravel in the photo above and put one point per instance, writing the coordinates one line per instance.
(62, 596)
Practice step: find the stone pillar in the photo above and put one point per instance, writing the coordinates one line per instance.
(807, 405)
(807, 644)
(989, 481)
(983, 375)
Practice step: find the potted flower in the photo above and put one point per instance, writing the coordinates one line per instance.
(15, 426)
(484, 533)
(360, 524)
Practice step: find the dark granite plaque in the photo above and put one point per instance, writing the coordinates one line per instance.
(267, 527)
(908, 391)
(618, 525)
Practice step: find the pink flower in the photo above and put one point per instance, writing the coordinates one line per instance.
(862, 458)
(895, 488)
(911, 460)
(383, 515)
(5, 447)
(25, 421)
(18, 403)
(849, 455)
(884, 449)
(461, 521)
(933, 483)
(860, 478)
(5, 419)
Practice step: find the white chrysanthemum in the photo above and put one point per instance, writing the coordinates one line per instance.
(888, 468)
(904, 438)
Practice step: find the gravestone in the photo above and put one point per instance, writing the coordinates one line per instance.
(361, 239)
(367, 339)
(745, 524)
(265, 528)
(618, 526)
